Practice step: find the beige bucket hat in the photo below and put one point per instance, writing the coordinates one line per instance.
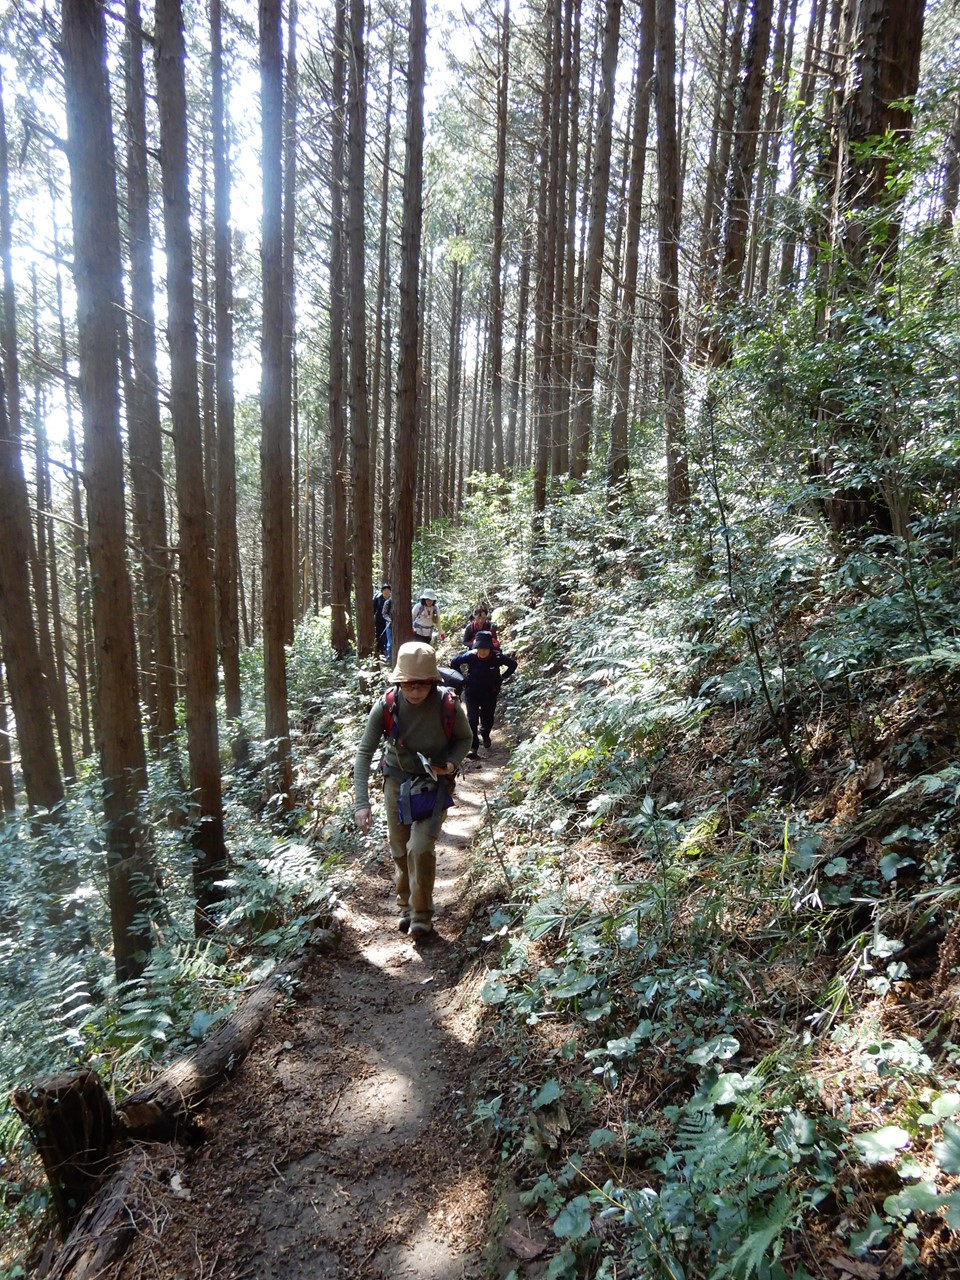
(415, 661)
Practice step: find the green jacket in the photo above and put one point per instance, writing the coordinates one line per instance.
(421, 729)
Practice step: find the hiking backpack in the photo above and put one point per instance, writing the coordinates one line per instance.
(391, 723)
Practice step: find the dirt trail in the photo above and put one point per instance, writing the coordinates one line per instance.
(338, 1149)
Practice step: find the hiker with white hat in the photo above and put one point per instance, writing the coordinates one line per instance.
(426, 616)
(426, 735)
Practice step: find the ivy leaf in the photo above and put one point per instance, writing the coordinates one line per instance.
(882, 1144)
(719, 1048)
(549, 1092)
(947, 1152)
(951, 1208)
(573, 1220)
(601, 1138)
(494, 991)
(943, 1106)
(921, 1198)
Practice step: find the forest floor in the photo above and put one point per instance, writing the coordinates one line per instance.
(340, 1148)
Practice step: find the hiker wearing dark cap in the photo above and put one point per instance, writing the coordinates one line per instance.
(381, 620)
(484, 669)
(426, 737)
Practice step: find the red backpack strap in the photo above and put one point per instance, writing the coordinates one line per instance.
(449, 712)
(391, 725)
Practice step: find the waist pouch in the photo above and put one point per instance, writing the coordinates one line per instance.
(422, 798)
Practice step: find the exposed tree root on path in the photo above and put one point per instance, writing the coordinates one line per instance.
(340, 1147)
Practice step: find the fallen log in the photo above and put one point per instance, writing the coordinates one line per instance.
(109, 1221)
(160, 1111)
(79, 1134)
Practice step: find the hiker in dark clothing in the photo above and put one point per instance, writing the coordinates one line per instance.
(484, 669)
(380, 623)
(480, 621)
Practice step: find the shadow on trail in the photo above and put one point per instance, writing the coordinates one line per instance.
(340, 1148)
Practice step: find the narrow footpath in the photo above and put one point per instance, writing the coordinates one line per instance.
(339, 1148)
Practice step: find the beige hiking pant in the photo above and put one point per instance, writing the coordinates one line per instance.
(414, 857)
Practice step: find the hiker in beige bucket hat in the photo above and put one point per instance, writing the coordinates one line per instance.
(426, 735)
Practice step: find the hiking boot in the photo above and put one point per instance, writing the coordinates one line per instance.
(486, 741)
(473, 754)
(421, 932)
(403, 924)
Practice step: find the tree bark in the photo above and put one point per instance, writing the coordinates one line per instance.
(274, 432)
(359, 395)
(625, 322)
(408, 380)
(288, 348)
(146, 441)
(496, 281)
(586, 366)
(668, 212)
(339, 567)
(198, 615)
(21, 649)
(226, 555)
(97, 276)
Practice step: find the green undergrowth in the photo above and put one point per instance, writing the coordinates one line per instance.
(60, 1005)
(721, 972)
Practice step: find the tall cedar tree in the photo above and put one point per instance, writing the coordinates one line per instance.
(288, 350)
(668, 231)
(274, 441)
(143, 424)
(21, 649)
(359, 399)
(625, 322)
(593, 266)
(97, 277)
(339, 568)
(408, 389)
(496, 264)
(226, 556)
(197, 605)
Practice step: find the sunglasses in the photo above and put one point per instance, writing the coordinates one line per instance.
(418, 684)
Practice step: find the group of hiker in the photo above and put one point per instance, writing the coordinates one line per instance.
(426, 735)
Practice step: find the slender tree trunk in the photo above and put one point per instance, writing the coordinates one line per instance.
(226, 563)
(274, 432)
(359, 395)
(81, 592)
(496, 295)
(146, 441)
(198, 616)
(547, 207)
(46, 588)
(804, 98)
(624, 324)
(288, 495)
(339, 569)
(589, 320)
(768, 168)
(8, 795)
(668, 210)
(26, 681)
(377, 400)
(408, 389)
(740, 182)
(97, 276)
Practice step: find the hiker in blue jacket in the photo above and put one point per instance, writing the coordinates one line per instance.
(484, 669)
